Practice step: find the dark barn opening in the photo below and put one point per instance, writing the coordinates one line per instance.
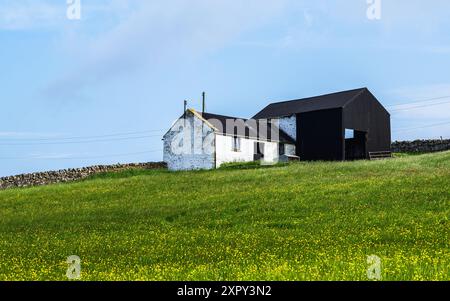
(320, 133)
(259, 151)
(355, 147)
(321, 124)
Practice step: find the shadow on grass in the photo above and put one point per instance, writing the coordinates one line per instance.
(249, 165)
(126, 173)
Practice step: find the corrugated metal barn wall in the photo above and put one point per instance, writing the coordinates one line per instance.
(321, 135)
(366, 114)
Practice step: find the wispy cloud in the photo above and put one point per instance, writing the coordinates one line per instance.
(154, 33)
(28, 135)
(48, 156)
(438, 49)
(404, 25)
(28, 14)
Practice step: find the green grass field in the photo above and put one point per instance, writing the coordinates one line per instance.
(303, 221)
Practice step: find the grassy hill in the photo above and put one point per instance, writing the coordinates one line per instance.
(304, 221)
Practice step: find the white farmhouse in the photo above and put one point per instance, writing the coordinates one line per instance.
(347, 125)
(206, 141)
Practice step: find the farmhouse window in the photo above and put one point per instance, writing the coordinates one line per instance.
(236, 144)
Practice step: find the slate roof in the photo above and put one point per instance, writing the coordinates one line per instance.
(220, 122)
(323, 102)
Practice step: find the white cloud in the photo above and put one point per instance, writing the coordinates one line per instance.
(155, 33)
(438, 49)
(27, 14)
(145, 35)
(328, 24)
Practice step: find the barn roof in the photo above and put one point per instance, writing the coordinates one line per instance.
(323, 102)
(220, 124)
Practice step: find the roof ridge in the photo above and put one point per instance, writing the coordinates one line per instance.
(355, 97)
(283, 134)
(219, 115)
(317, 96)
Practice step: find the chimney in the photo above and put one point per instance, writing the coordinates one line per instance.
(184, 112)
(204, 103)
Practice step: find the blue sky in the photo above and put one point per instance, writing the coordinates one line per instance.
(127, 66)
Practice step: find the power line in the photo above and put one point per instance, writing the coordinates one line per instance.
(98, 138)
(422, 106)
(79, 142)
(421, 127)
(90, 137)
(418, 101)
(80, 158)
(114, 155)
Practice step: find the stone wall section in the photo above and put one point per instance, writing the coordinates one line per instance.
(420, 146)
(69, 175)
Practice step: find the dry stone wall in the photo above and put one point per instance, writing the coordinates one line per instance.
(420, 146)
(69, 175)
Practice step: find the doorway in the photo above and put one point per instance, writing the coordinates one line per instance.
(259, 151)
(355, 145)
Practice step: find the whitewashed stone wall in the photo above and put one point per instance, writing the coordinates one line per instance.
(271, 152)
(289, 126)
(189, 145)
(225, 153)
(192, 144)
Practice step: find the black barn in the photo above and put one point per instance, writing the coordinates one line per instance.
(323, 122)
